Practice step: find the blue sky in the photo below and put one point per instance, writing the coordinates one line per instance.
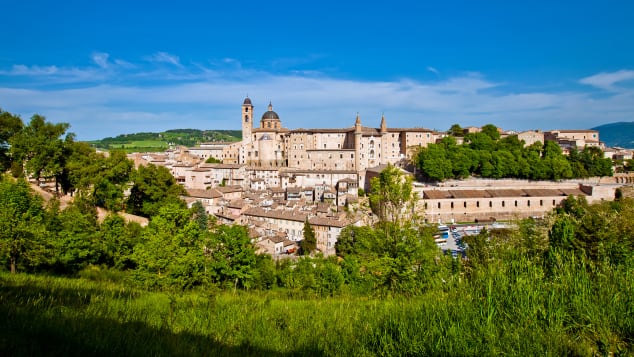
(116, 67)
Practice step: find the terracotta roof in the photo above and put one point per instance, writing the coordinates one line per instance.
(348, 180)
(573, 131)
(239, 203)
(211, 193)
(229, 189)
(506, 193)
(277, 214)
(276, 239)
(302, 130)
(257, 168)
(269, 130)
(222, 166)
(299, 171)
(436, 195)
(288, 243)
(329, 222)
(572, 191)
(228, 216)
(491, 193)
(424, 130)
(469, 194)
(532, 192)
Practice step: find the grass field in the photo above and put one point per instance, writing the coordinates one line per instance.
(521, 315)
(147, 144)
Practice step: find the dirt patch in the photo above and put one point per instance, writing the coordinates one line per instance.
(48, 194)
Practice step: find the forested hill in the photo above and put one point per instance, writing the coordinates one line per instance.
(619, 134)
(160, 141)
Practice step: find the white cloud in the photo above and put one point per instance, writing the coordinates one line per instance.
(198, 97)
(22, 70)
(607, 80)
(165, 57)
(433, 70)
(54, 74)
(101, 59)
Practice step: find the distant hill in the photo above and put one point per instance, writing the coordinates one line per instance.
(617, 134)
(161, 141)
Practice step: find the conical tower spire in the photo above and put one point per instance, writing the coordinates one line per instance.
(383, 124)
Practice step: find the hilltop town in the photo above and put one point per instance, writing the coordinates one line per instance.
(275, 179)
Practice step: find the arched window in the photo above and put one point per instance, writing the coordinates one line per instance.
(246, 118)
(371, 154)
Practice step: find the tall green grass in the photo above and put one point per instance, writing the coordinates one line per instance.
(512, 308)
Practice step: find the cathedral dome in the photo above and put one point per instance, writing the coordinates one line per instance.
(270, 114)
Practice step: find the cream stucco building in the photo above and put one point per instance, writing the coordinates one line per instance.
(354, 149)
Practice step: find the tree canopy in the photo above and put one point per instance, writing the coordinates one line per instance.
(485, 154)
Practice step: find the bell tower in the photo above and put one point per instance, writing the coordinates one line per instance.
(247, 119)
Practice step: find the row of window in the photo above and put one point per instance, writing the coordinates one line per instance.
(503, 204)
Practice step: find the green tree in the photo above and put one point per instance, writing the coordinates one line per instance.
(9, 125)
(264, 273)
(200, 216)
(491, 131)
(213, 160)
(456, 130)
(392, 196)
(118, 240)
(154, 186)
(170, 253)
(22, 231)
(231, 256)
(40, 148)
(309, 243)
(562, 233)
(595, 163)
(434, 163)
(77, 241)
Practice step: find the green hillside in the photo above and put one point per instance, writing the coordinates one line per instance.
(160, 141)
(619, 134)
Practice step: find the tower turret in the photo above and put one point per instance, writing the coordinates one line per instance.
(383, 125)
(357, 143)
(247, 120)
